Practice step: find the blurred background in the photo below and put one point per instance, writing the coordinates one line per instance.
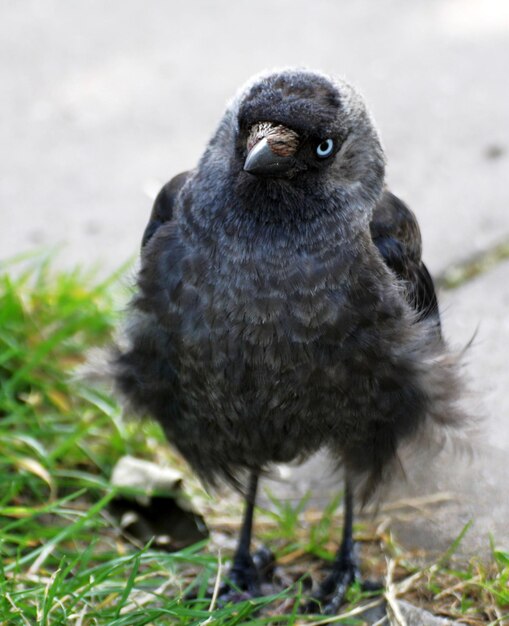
(103, 102)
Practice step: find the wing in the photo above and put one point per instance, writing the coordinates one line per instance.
(145, 364)
(162, 211)
(396, 234)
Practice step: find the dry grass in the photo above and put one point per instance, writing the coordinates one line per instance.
(64, 559)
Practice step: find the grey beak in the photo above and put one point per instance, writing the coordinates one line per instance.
(262, 161)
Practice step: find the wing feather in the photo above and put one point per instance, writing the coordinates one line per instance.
(162, 210)
(396, 233)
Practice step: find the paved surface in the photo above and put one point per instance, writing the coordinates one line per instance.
(103, 102)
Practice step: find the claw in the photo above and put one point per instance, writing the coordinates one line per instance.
(246, 576)
(331, 594)
(264, 562)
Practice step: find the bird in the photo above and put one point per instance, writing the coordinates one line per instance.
(282, 307)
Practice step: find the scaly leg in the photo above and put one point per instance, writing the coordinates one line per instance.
(244, 574)
(345, 569)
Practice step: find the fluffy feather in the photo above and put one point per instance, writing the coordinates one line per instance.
(276, 316)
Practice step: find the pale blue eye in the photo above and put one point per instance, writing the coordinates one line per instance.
(325, 148)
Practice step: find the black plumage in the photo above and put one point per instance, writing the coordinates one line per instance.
(396, 234)
(282, 302)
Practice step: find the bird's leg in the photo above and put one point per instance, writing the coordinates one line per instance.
(244, 574)
(345, 569)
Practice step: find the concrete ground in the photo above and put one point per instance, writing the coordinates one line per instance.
(104, 102)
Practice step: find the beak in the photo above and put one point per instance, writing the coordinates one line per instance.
(262, 161)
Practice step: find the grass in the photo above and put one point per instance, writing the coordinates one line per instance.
(63, 557)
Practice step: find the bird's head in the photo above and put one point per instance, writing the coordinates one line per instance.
(297, 140)
(299, 123)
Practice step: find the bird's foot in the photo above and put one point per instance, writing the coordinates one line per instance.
(246, 577)
(331, 594)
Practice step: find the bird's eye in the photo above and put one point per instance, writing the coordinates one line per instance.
(324, 149)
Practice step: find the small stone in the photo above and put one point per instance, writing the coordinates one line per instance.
(159, 510)
(133, 473)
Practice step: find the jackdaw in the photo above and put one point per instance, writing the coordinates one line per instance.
(282, 306)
